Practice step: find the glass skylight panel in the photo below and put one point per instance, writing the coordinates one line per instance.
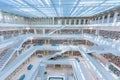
(37, 14)
(39, 1)
(113, 1)
(46, 10)
(79, 11)
(27, 9)
(47, 2)
(14, 2)
(95, 12)
(59, 2)
(20, 1)
(52, 15)
(61, 7)
(84, 12)
(90, 3)
(75, 11)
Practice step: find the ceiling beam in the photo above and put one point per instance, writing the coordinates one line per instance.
(74, 7)
(85, 12)
(34, 8)
(54, 8)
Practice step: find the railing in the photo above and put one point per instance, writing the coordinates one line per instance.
(44, 24)
(111, 45)
(97, 68)
(26, 54)
(4, 60)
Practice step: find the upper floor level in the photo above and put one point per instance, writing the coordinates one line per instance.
(107, 18)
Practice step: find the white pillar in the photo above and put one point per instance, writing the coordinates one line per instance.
(65, 21)
(98, 20)
(74, 21)
(103, 19)
(53, 20)
(97, 31)
(79, 21)
(84, 21)
(108, 18)
(1, 16)
(115, 16)
(59, 22)
(90, 21)
(43, 31)
(95, 21)
(35, 31)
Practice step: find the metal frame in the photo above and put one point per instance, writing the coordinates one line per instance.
(57, 8)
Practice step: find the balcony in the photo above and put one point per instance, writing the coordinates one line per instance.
(101, 22)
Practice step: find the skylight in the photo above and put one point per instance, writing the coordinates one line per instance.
(57, 8)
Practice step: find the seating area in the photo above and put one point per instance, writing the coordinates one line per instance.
(71, 53)
(29, 67)
(22, 77)
(53, 44)
(77, 59)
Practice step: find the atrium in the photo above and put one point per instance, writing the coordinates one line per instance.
(59, 39)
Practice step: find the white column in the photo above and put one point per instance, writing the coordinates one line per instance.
(97, 31)
(98, 20)
(79, 21)
(91, 21)
(108, 18)
(35, 31)
(74, 21)
(84, 21)
(53, 20)
(59, 22)
(115, 16)
(65, 21)
(1, 16)
(103, 19)
(95, 21)
(43, 31)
